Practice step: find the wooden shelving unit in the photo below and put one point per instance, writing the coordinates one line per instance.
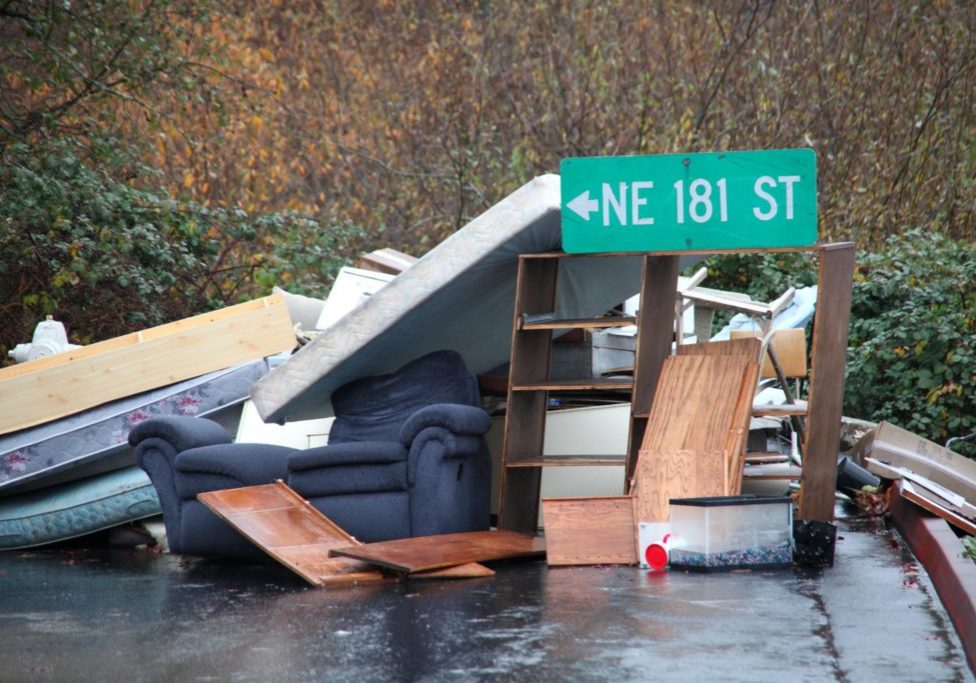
(530, 386)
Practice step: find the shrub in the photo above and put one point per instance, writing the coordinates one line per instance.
(108, 258)
(911, 355)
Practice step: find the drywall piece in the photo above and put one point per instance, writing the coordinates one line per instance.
(290, 530)
(425, 553)
(589, 530)
(50, 388)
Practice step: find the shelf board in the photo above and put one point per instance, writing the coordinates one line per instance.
(782, 410)
(777, 471)
(567, 461)
(581, 323)
(583, 384)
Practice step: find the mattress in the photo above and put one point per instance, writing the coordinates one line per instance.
(459, 296)
(77, 508)
(94, 441)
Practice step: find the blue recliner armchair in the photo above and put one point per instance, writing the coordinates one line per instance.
(406, 457)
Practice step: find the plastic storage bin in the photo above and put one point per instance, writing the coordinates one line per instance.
(731, 532)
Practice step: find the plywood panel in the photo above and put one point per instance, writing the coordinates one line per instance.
(53, 387)
(698, 396)
(695, 437)
(663, 475)
(594, 530)
(425, 553)
(742, 346)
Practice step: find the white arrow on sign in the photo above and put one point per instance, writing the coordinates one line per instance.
(583, 205)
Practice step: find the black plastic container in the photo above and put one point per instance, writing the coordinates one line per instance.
(813, 543)
(851, 477)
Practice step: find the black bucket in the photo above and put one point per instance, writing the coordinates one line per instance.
(813, 543)
(851, 477)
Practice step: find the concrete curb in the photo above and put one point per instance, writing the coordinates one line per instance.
(939, 550)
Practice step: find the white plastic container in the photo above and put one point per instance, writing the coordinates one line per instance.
(731, 532)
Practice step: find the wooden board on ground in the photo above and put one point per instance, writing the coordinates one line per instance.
(594, 530)
(425, 553)
(56, 386)
(290, 530)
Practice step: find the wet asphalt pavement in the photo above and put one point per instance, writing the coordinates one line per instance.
(125, 615)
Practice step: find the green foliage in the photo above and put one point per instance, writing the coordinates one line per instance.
(969, 547)
(912, 346)
(107, 258)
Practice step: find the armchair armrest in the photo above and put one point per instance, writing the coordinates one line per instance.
(348, 453)
(221, 466)
(181, 431)
(454, 417)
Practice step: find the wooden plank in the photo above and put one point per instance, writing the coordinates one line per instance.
(928, 459)
(470, 570)
(581, 323)
(695, 403)
(585, 384)
(655, 323)
(290, 530)
(425, 553)
(583, 531)
(826, 396)
(525, 420)
(790, 347)
(739, 429)
(56, 386)
(780, 410)
(386, 260)
(742, 346)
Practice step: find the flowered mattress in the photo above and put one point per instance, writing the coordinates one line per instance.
(95, 441)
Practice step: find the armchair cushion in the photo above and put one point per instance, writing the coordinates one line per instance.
(349, 468)
(211, 468)
(354, 453)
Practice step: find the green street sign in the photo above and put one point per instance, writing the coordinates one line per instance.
(702, 202)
